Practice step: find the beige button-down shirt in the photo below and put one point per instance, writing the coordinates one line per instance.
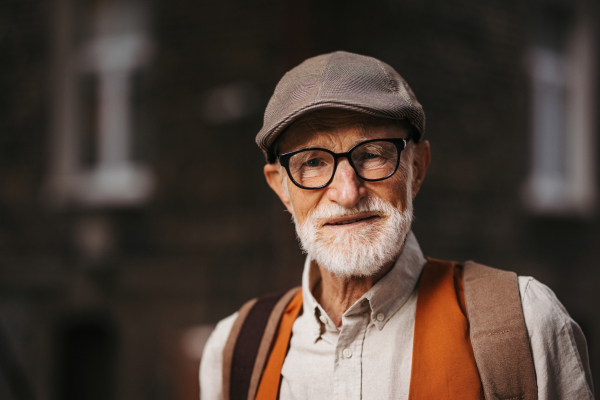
(370, 356)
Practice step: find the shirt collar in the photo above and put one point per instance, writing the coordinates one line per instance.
(384, 299)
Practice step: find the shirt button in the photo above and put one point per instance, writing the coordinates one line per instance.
(347, 353)
(323, 319)
(380, 317)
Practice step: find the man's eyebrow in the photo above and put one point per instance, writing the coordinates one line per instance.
(310, 146)
(324, 146)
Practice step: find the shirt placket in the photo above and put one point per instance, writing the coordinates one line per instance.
(347, 374)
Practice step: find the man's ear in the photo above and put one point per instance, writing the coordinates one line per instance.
(421, 159)
(274, 175)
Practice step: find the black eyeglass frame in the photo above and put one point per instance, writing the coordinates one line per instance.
(400, 143)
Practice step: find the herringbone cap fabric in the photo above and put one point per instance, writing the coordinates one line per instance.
(339, 80)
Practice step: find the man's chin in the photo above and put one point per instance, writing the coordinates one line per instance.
(348, 271)
(355, 258)
(354, 273)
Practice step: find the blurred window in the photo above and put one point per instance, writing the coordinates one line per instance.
(562, 179)
(102, 53)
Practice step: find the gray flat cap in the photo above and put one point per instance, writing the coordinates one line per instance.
(339, 80)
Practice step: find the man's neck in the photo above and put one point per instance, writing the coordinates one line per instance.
(336, 295)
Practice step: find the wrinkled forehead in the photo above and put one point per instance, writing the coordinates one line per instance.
(323, 126)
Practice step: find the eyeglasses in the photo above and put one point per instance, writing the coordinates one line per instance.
(372, 160)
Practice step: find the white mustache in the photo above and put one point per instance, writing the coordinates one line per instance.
(324, 213)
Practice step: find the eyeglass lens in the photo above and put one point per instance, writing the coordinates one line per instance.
(313, 168)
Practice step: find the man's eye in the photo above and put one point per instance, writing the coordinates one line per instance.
(314, 162)
(368, 156)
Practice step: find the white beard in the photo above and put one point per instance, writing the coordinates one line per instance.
(356, 251)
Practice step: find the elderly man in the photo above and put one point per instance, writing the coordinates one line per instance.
(374, 318)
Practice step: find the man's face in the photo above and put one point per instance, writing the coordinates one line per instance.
(346, 189)
(350, 221)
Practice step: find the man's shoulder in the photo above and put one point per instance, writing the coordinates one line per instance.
(558, 345)
(219, 335)
(535, 292)
(211, 366)
(541, 307)
(544, 313)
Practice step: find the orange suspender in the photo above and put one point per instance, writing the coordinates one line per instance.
(271, 379)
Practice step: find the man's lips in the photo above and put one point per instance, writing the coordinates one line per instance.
(351, 220)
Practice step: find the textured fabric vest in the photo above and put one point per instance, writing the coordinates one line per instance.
(443, 365)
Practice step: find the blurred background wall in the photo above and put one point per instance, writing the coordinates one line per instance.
(133, 210)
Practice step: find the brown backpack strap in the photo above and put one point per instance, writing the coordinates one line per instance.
(249, 343)
(498, 333)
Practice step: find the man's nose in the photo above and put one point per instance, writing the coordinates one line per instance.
(347, 188)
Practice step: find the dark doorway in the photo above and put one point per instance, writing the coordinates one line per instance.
(87, 362)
